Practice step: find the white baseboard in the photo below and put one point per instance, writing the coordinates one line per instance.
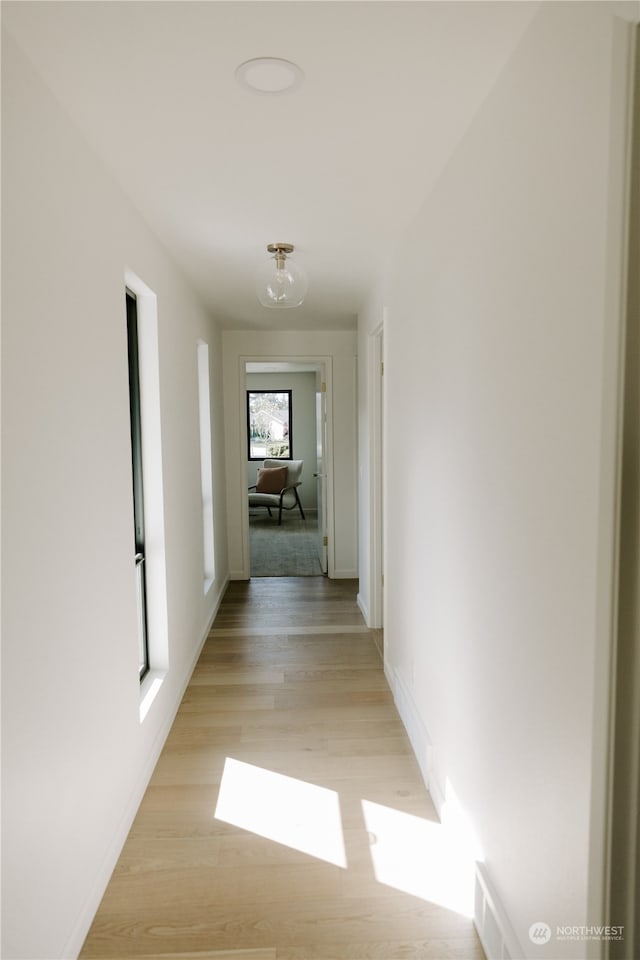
(413, 723)
(81, 927)
(496, 934)
(209, 621)
(344, 575)
(364, 610)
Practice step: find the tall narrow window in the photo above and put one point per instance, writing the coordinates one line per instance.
(204, 402)
(138, 496)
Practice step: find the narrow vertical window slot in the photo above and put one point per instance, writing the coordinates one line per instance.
(138, 486)
(204, 403)
(149, 536)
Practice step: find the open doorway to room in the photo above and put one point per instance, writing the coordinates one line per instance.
(286, 404)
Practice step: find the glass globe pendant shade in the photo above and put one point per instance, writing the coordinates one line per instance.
(281, 282)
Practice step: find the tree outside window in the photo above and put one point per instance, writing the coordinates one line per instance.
(269, 423)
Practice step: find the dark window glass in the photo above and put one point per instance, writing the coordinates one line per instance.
(138, 496)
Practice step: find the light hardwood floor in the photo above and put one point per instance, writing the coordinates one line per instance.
(266, 832)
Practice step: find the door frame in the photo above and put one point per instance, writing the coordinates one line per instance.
(622, 869)
(321, 469)
(323, 364)
(375, 402)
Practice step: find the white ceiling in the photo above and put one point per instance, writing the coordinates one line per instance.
(338, 167)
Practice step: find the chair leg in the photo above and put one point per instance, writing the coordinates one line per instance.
(269, 511)
(299, 505)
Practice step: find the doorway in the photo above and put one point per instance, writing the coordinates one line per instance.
(298, 546)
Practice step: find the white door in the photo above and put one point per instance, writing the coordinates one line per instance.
(321, 468)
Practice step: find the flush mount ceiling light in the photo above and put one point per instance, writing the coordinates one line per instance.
(269, 75)
(281, 282)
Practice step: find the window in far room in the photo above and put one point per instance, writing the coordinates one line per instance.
(269, 424)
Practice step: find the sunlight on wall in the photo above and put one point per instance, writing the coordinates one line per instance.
(297, 814)
(149, 689)
(457, 824)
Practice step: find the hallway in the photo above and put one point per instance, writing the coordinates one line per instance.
(286, 818)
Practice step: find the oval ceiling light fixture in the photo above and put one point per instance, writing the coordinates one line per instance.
(281, 282)
(269, 75)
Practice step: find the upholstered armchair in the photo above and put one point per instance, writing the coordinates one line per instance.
(276, 486)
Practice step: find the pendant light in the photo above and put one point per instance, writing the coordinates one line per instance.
(281, 282)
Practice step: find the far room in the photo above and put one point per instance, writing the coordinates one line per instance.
(285, 469)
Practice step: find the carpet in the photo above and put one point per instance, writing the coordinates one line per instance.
(288, 550)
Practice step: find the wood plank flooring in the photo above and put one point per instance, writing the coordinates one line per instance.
(251, 842)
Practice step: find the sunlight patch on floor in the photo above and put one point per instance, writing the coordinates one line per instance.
(419, 857)
(299, 815)
(416, 856)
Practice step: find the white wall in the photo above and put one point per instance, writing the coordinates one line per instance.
(500, 386)
(339, 348)
(303, 400)
(75, 754)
